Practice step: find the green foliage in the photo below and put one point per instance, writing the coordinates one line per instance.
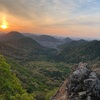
(32, 67)
(40, 77)
(25, 49)
(10, 86)
(50, 94)
(76, 54)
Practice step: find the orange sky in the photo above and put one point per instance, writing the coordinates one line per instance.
(77, 18)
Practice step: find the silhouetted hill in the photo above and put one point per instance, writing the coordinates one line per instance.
(25, 42)
(73, 43)
(68, 40)
(24, 49)
(42, 37)
(84, 52)
(46, 40)
(17, 46)
(12, 36)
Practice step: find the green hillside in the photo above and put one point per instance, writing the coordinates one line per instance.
(38, 70)
(10, 85)
(34, 65)
(85, 52)
(40, 77)
(72, 43)
(25, 49)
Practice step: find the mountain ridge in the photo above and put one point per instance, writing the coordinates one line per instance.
(84, 52)
(12, 36)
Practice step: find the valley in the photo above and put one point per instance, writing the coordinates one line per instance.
(42, 69)
(49, 49)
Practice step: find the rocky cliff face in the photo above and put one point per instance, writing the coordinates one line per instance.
(84, 84)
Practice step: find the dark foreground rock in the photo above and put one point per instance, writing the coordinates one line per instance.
(83, 84)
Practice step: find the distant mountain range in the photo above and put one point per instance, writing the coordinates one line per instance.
(68, 39)
(72, 43)
(14, 35)
(33, 64)
(46, 40)
(22, 47)
(80, 51)
(54, 42)
(39, 68)
(42, 37)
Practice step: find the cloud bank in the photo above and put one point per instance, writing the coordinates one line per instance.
(55, 13)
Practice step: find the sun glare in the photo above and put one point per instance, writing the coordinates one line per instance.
(4, 24)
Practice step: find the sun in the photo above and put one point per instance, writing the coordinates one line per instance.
(4, 24)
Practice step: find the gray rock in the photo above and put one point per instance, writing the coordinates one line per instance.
(84, 84)
(81, 94)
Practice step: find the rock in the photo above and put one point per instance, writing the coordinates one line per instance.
(84, 84)
(82, 94)
(89, 98)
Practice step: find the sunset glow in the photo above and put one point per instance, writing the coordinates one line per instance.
(76, 18)
(4, 23)
(4, 26)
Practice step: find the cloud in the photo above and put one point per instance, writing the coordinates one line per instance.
(37, 8)
(78, 21)
(52, 12)
(14, 7)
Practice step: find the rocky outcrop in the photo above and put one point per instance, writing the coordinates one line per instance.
(84, 84)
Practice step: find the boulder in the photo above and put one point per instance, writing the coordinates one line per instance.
(84, 84)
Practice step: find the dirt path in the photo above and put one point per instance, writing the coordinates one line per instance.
(61, 93)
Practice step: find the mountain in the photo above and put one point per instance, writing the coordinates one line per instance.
(46, 40)
(34, 66)
(25, 49)
(12, 36)
(73, 43)
(22, 48)
(67, 40)
(84, 52)
(37, 69)
(33, 36)
(42, 37)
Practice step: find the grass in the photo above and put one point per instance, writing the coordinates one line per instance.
(50, 94)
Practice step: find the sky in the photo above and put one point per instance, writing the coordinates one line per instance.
(75, 18)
